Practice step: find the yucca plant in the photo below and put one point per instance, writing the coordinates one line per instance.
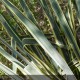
(41, 45)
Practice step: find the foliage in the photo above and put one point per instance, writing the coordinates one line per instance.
(40, 37)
